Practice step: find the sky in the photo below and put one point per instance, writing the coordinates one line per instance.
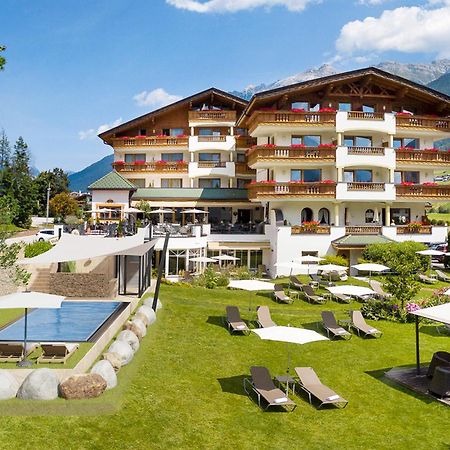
(78, 67)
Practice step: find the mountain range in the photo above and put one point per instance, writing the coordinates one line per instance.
(435, 75)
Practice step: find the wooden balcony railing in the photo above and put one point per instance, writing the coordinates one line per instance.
(243, 169)
(422, 156)
(220, 138)
(245, 141)
(320, 229)
(211, 164)
(361, 115)
(357, 186)
(423, 122)
(150, 141)
(363, 229)
(408, 229)
(284, 190)
(366, 151)
(421, 191)
(169, 166)
(291, 154)
(290, 117)
(212, 116)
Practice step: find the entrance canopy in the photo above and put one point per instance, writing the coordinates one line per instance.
(74, 248)
(440, 313)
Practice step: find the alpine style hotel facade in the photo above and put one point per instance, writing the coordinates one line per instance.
(320, 167)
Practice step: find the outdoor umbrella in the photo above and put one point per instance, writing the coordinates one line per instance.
(370, 267)
(289, 335)
(28, 300)
(161, 212)
(225, 258)
(328, 268)
(430, 253)
(194, 211)
(310, 259)
(292, 265)
(351, 290)
(202, 259)
(130, 209)
(251, 286)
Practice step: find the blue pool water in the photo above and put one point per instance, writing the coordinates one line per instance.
(73, 322)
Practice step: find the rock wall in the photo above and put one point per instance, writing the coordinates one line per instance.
(82, 285)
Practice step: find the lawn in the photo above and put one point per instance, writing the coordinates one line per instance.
(184, 388)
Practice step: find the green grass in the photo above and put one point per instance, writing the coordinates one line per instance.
(184, 388)
(439, 216)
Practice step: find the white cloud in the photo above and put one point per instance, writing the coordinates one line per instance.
(156, 98)
(371, 2)
(405, 29)
(231, 6)
(92, 133)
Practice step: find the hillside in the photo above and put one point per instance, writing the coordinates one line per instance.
(442, 84)
(79, 181)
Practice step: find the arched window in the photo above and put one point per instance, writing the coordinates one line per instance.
(324, 216)
(307, 215)
(369, 216)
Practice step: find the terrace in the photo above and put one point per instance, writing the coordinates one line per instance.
(278, 190)
(154, 166)
(150, 141)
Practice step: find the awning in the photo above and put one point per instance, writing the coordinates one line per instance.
(74, 248)
(139, 250)
(359, 241)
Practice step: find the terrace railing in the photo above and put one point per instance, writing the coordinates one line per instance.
(212, 116)
(366, 151)
(358, 186)
(168, 166)
(423, 122)
(363, 229)
(148, 141)
(422, 156)
(408, 229)
(421, 191)
(283, 190)
(362, 115)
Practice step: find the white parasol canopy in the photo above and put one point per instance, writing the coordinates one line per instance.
(194, 211)
(225, 258)
(430, 252)
(311, 259)
(293, 265)
(161, 211)
(332, 268)
(352, 290)
(130, 209)
(202, 259)
(370, 267)
(440, 313)
(251, 285)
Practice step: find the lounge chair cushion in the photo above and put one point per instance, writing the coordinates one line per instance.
(332, 397)
(281, 400)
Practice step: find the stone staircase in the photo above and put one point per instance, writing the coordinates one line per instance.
(40, 277)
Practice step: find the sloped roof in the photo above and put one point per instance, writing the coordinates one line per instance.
(113, 180)
(191, 194)
(360, 240)
(136, 121)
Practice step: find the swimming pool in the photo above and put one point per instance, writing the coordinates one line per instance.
(73, 322)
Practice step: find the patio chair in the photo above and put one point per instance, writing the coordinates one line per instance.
(314, 277)
(234, 321)
(361, 326)
(310, 383)
(295, 282)
(426, 279)
(56, 352)
(311, 295)
(440, 359)
(280, 296)
(378, 288)
(13, 351)
(331, 326)
(264, 318)
(442, 276)
(262, 385)
(440, 384)
(342, 298)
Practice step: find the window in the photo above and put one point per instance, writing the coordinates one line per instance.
(306, 106)
(209, 157)
(171, 182)
(208, 132)
(400, 216)
(240, 157)
(345, 106)
(209, 183)
(311, 141)
(296, 175)
(407, 177)
(306, 175)
(255, 259)
(296, 140)
(368, 108)
(240, 132)
(306, 215)
(143, 132)
(324, 216)
(176, 131)
(138, 182)
(166, 132)
(359, 176)
(241, 183)
(406, 142)
(369, 216)
(131, 157)
(172, 156)
(357, 141)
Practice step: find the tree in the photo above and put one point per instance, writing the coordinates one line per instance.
(2, 58)
(62, 205)
(5, 150)
(58, 181)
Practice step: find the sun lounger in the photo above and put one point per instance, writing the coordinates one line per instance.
(342, 298)
(311, 295)
(13, 351)
(440, 383)
(314, 277)
(378, 288)
(280, 296)
(262, 385)
(361, 326)
(264, 318)
(56, 352)
(332, 327)
(295, 282)
(442, 276)
(311, 384)
(234, 321)
(426, 279)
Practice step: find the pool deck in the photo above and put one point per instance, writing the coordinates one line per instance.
(96, 350)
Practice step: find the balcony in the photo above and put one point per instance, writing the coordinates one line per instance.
(353, 156)
(245, 141)
(293, 191)
(308, 229)
(220, 142)
(150, 141)
(212, 117)
(159, 166)
(243, 169)
(265, 155)
(210, 168)
(422, 157)
(364, 229)
(365, 121)
(424, 192)
(290, 118)
(365, 191)
(423, 123)
(413, 229)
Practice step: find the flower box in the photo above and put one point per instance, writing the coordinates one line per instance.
(119, 162)
(404, 113)
(161, 136)
(430, 183)
(297, 110)
(140, 136)
(181, 135)
(296, 181)
(181, 163)
(268, 181)
(326, 110)
(327, 182)
(435, 150)
(161, 162)
(269, 145)
(407, 183)
(406, 148)
(298, 145)
(326, 145)
(139, 162)
(310, 227)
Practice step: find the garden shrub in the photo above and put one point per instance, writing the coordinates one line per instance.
(37, 248)
(335, 259)
(210, 279)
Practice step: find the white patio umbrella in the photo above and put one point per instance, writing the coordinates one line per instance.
(328, 268)
(225, 258)
(430, 252)
(351, 290)
(194, 211)
(251, 286)
(370, 267)
(289, 335)
(28, 300)
(202, 259)
(161, 212)
(310, 259)
(130, 209)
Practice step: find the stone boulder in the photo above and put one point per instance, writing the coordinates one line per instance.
(86, 385)
(148, 312)
(124, 350)
(141, 316)
(8, 385)
(41, 384)
(133, 328)
(129, 337)
(140, 326)
(149, 302)
(114, 359)
(106, 371)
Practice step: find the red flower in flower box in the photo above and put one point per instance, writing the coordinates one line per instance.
(269, 181)
(161, 136)
(140, 136)
(326, 146)
(181, 162)
(328, 181)
(269, 145)
(296, 181)
(432, 149)
(406, 148)
(430, 183)
(298, 145)
(161, 162)
(181, 135)
(297, 110)
(139, 162)
(327, 110)
(119, 162)
(253, 182)
(407, 183)
(404, 113)
(123, 137)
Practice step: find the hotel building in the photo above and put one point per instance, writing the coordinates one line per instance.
(320, 167)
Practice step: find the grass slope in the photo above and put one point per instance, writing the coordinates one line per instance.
(79, 181)
(184, 388)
